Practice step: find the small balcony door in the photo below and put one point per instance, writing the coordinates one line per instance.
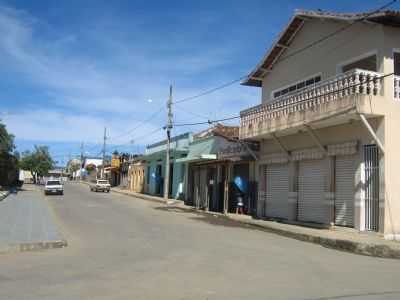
(396, 61)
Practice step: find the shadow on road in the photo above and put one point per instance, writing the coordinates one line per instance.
(357, 295)
(212, 219)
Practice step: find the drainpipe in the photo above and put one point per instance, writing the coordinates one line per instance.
(373, 134)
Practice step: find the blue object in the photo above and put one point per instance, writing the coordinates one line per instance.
(240, 183)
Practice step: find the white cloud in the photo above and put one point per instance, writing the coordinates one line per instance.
(95, 91)
(51, 125)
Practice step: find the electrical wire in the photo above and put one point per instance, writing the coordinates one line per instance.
(328, 36)
(313, 44)
(208, 122)
(192, 113)
(207, 92)
(304, 100)
(227, 84)
(151, 117)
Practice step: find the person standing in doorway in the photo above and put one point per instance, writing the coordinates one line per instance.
(239, 204)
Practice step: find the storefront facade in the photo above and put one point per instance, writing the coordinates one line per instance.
(220, 170)
(155, 158)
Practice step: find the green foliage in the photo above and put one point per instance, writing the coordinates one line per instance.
(6, 140)
(8, 161)
(74, 166)
(38, 162)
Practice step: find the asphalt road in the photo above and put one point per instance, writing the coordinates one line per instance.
(126, 248)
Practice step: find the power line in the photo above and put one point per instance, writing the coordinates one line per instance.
(207, 92)
(227, 84)
(304, 100)
(144, 136)
(328, 36)
(208, 122)
(192, 113)
(152, 116)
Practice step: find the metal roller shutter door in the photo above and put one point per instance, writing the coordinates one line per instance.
(277, 190)
(311, 192)
(344, 190)
(203, 188)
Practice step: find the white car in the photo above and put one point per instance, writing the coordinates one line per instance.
(53, 186)
(100, 185)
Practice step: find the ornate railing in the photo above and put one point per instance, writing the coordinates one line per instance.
(350, 83)
(397, 87)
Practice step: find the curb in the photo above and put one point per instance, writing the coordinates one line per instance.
(140, 196)
(4, 195)
(34, 246)
(366, 249)
(374, 250)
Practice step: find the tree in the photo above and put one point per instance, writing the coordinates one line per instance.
(8, 161)
(6, 140)
(39, 162)
(74, 165)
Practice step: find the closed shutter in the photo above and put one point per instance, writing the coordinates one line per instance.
(203, 188)
(196, 187)
(311, 192)
(344, 190)
(277, 191)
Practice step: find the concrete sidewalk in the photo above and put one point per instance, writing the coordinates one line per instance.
(3, 194)
(345, 239)
(27, 223)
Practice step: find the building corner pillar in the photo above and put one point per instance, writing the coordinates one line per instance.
(260, 213)
(293, 191)
(330, 190)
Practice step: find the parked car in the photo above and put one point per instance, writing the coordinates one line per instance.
(53, 186)
(100, 185)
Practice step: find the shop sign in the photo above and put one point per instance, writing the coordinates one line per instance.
(115, 162)
(235, 150)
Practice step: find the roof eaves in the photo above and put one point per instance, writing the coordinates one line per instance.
(300, 16)
(273, 54)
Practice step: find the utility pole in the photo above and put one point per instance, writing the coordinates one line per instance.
(167, 158)
(82, 152)
(104, 151)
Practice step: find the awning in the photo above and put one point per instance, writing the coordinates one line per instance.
(201, 157)
(161, 154)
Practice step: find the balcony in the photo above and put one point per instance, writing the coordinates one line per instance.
(335, 96)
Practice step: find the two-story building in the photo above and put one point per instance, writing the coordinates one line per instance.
(328, 121)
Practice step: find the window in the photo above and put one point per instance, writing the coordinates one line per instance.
(396, 60)
(367, 63)
(297, 86)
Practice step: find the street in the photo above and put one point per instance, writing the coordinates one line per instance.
(120, 247)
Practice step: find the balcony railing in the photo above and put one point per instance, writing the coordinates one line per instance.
(350, 83)
(397, 87)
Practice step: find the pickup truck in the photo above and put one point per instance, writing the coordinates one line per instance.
(53, 186)
(100, 185)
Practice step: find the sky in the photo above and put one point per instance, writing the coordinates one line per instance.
(70, 68)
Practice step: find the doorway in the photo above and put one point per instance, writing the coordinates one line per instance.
(159, 180)
(371, 188)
